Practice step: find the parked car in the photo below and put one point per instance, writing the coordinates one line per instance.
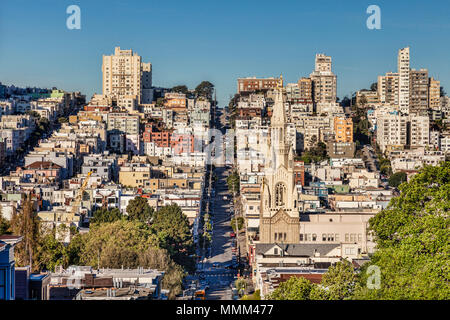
(232, 234)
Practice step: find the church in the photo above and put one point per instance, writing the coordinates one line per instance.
(279, 212)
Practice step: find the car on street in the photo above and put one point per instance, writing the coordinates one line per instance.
(215, 265)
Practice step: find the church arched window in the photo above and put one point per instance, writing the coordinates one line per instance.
(280, 194)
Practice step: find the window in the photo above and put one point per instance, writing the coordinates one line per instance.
(330, 237)
(280, 194)
(359, 237)
(347, 239)
(276, 236)
(324, 237)
(275, 251)
(301, 236)
(336, 237)
(314, 237)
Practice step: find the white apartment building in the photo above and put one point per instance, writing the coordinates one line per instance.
(404, 79)
(398, 131)
(124, 74)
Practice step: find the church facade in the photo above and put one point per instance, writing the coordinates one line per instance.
(279, 216)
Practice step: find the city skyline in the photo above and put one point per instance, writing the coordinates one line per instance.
(225, 52)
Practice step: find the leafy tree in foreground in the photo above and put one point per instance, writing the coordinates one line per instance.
(172, 225)
(413, 240)
(296, 288)
(104, 215)
(139, 209)
(339, 281)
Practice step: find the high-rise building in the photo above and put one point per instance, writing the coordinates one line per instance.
(418, 100)
(324, 80)
(126, 76)
(305, 88)
(404, 80)
(343, 129)
(388, 88)
(434, 94)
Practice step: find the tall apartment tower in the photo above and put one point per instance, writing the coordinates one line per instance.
(404, 79)
(434, 94)
(305, 87)
(126, 76)
(324, 80)
(388, 88)
(418, 99)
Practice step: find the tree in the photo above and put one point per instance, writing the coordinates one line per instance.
(204, 89)
(4, 224)
(397, 179)
(233, 182)
(340, 281)
(374, 86)
(139, 209)
(25, 223)
(413, 240)
(296, 288)
(315, 154)
(181, 89)
(128, 244)
(240, 223)
(172, 227)
(51, 253)
(104, 215)
(362, 101)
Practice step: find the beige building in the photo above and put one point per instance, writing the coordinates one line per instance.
(434, 94)
(324, 80)
(125, 75)
(388, 86)
(305, 87)
(370, 97)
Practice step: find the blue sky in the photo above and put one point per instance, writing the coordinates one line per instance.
(219, 41)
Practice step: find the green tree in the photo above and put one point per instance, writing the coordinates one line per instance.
(204, 89)
(128, 244)
(340, 281)
(139, 209)
(170, 224)
(413, 240)
(397, 179)
(181, 89)
(296, 288)
(233, 182)
(51, 253)
(104, 215)
(26, 224)
(4, 224)
(240, 223)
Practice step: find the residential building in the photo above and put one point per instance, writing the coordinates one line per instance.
(126, 75)
(404, 80)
